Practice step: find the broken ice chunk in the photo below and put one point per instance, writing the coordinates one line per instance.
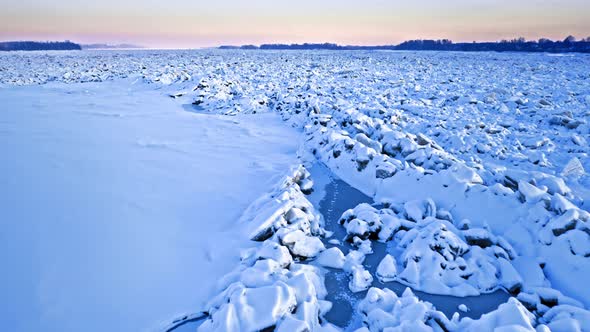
(530, 193)
(360, 280)
(573, 168)
(387, 271)
(332, 257)
(302, 245)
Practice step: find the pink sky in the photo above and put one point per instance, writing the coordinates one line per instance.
(186, 23)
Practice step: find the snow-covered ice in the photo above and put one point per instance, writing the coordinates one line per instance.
(141, 185)
(119, 209)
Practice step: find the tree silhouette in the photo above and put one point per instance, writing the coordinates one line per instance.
(38, 46)
(520, 44)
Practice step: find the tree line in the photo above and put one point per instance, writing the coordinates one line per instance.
(569, 44)
(39, 46)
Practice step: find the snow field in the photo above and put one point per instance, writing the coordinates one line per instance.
(104, 217)
(478, 162)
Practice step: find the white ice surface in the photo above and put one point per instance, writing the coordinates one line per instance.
(498, 143)
(118, 208)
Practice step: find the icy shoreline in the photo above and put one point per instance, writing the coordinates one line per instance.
(227, 313)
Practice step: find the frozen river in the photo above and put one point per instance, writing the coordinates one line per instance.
(124, 209)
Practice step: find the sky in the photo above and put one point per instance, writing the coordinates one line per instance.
(197, 23)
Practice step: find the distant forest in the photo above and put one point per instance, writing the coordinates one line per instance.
(569, 44)
(38, 46)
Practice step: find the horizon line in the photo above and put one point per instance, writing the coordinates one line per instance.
(218, 45)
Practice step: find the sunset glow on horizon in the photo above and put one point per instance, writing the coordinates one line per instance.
(184, 23)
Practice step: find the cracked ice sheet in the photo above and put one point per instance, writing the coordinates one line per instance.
(121, 206)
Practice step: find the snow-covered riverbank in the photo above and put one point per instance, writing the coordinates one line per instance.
(119, 208)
